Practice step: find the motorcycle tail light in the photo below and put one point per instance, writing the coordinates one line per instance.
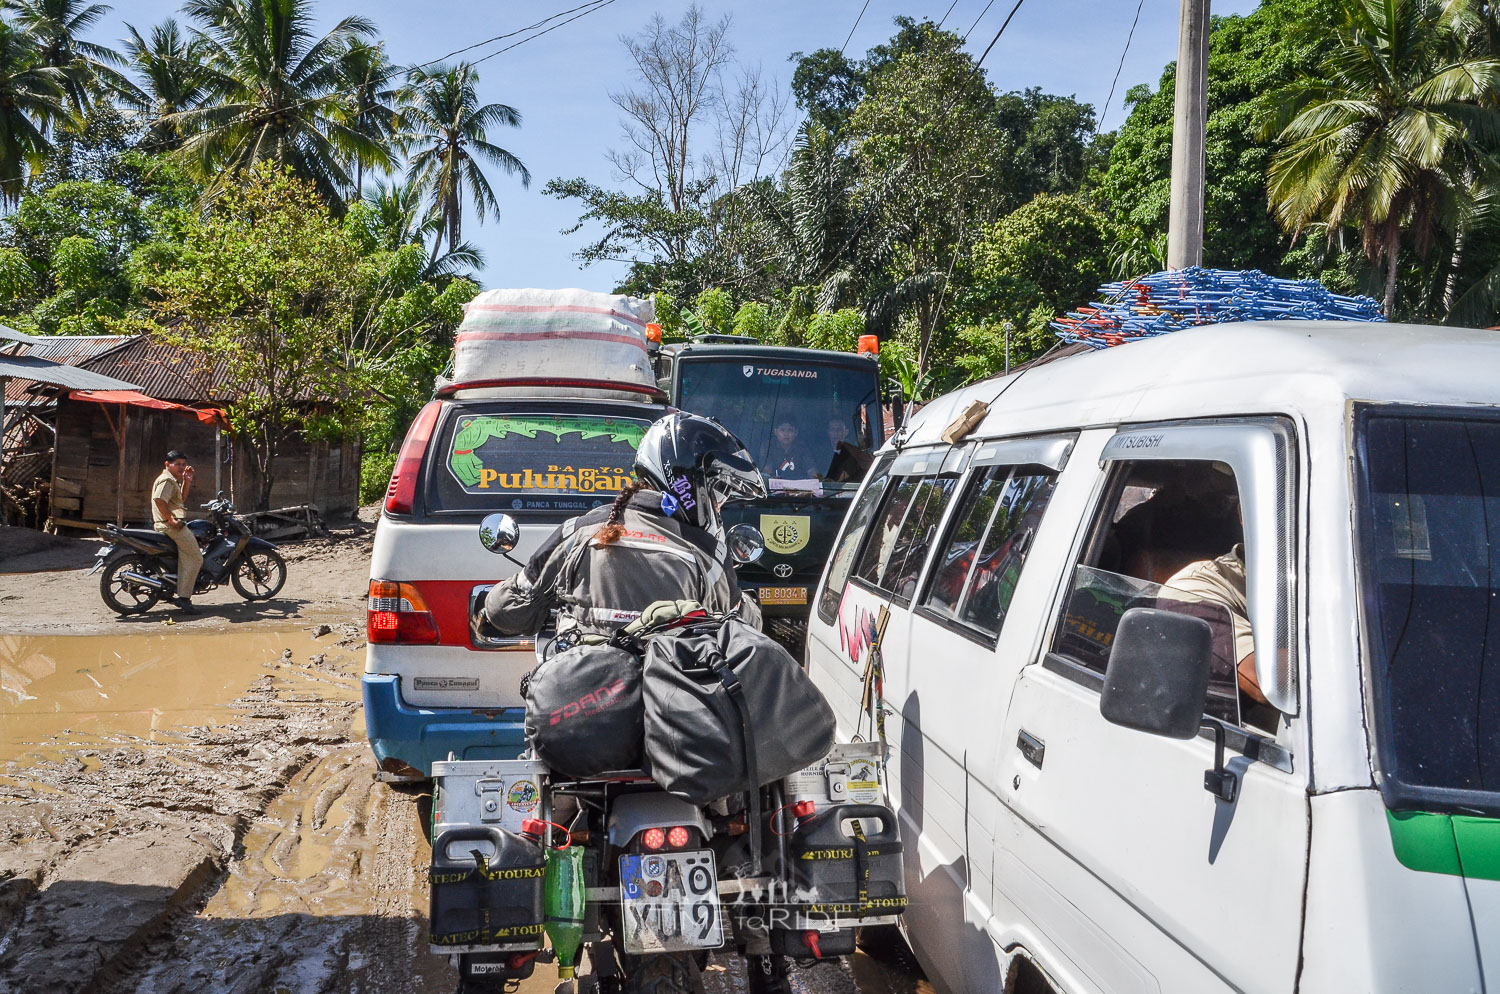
(653, 838)
(398, 613)
(677, 838)
(401, 495)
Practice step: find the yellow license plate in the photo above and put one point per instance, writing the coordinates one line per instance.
(783, 595)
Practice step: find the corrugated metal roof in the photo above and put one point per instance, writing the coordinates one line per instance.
(70, 349)
(25, 367)
(11, 334)
(163, 372)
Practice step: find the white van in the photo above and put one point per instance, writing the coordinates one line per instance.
(1082, 548)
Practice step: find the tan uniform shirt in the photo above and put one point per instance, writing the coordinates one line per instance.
(1219, 581)
(168, 489)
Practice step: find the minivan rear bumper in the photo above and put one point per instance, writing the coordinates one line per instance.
(406, 736)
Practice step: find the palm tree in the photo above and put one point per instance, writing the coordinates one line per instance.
(56, 27)
(445, 130)
(170, 67)
(399, 219)
(1383, 140)
(273, 94)
(31, 96)
(368, 107)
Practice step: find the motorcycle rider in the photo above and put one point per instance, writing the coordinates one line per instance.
(169, 517)
(661, 539)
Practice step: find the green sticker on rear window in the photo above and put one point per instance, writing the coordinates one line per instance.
(493, 454)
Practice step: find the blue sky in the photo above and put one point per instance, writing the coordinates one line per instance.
(561, 82)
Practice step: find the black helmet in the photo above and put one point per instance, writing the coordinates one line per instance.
(696, 463)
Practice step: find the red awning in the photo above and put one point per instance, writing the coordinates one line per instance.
(208, 415)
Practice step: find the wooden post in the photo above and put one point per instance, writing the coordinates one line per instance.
(1190, 118)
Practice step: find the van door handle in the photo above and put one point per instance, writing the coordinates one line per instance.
(1031, 747)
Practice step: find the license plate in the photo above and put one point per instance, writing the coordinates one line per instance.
(670, 902)
(783, 595)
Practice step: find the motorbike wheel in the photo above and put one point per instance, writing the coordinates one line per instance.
(123, 596)
(258, 576)
(662, 973)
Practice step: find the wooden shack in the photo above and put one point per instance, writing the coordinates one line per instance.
(107, 455)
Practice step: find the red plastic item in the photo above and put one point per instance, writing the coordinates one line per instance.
(653, 838)
(677, 837)
(810, 940)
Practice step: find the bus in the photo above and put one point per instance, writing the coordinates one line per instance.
(812, 419)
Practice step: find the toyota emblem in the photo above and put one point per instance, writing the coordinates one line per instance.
(782, 570)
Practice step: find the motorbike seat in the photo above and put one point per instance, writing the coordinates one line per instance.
(149, 535)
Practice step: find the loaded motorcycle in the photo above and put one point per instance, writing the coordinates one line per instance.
(637, 882)
(140, 564)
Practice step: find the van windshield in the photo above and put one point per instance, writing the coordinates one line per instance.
(792, 415)
(1430, 548)
(519, 461)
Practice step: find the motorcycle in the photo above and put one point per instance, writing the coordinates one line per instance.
(642, 885)
(140, 564)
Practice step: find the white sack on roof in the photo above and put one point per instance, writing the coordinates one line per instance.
(538, 335)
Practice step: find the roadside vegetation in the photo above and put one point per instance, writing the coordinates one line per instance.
(156, 184)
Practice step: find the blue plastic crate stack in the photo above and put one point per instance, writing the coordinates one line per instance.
(1184, 298)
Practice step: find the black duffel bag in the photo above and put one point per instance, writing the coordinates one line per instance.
(584, 712)
(709, 684)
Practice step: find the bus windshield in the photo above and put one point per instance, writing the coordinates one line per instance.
(802, 421)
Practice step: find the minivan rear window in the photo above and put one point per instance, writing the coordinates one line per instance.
(523, 461)
(1430, 549)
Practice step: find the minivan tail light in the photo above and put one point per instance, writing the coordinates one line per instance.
(399, 614)
(401, 495)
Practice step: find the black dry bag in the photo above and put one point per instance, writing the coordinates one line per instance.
(583, 711)
(705, 688)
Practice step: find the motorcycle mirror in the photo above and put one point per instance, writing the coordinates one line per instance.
(499, 533)
(746, 543)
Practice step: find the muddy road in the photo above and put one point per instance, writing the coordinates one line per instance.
(187, 803)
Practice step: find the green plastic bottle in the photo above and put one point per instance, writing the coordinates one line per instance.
(564, 907)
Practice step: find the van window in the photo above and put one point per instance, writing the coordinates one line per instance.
(854, 532)
(1168, 537)
(1429, 528)
(493, 458)
(981, 561)
(906, 529)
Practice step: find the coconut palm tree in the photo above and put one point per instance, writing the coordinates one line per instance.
(399, 219)
(31, 96)
(273, 94)
(169, 66)
(1402, 112)
(369, 106)
(57, 27)
(446, 134)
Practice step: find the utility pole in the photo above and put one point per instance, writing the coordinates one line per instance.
(1189, 122)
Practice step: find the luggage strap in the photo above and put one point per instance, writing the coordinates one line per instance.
(737, 695)
(861, 867)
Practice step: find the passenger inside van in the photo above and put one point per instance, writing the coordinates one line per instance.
(1172, 523)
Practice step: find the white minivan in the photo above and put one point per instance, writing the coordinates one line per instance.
(1284, 537)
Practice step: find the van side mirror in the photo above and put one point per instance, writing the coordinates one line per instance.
(499, 533)
(1157, 682)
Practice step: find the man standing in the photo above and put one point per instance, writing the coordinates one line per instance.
(169, 516)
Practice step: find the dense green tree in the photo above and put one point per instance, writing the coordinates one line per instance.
(1389, 135)
(1250, 57)
(369, 107)
(447, 137)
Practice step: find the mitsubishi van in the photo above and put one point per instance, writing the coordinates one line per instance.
(1185, 656)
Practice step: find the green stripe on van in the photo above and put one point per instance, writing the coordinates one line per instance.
(1460, 845)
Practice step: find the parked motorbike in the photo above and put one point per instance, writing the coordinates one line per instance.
(640, 885)
(140, 564)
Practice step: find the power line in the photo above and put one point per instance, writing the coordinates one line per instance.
(856, 24)
(946, 13)
(600, 6)
(986, 10)
(1100, 126)
(508, 34)
(998, 34)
